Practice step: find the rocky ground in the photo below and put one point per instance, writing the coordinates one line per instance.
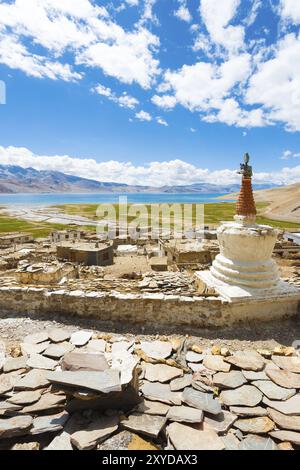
(65, 387)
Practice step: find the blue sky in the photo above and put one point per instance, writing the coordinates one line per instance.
(152, 91)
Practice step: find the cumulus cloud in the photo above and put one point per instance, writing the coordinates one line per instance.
(287, 154)
(173, 172)
(124, 101)
(183, 13)
(162, 121)
(290, 10)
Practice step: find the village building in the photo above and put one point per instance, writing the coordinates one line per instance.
(58, 236)
(15, 238)
(45, 273)
(88, 254)
(185, 252)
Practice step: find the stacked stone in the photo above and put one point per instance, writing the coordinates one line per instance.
(245, 205)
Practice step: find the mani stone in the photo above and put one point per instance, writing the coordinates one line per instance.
(58, 335)
(248, 411)
(253, 376)
(289, 363)
(32, 380)
(16, 363)
(247, 360)
(52, 423)
(60, 442)
(49, 401)
(80, 338)
(56, 351)
(95, 432)
(144, 424)
(25, 398)
(97, 345)
(257, 443)
(36, 361)
(216, 363)
(161, 373)
(288, 407)
(246, 395)
(222, 422)
(81, 361)
(36, 338)
(273, 391)
(233, 379)
(260, 425)
(287, 436)
(181, 382)
(186, 438)
(28, 349)
(16, 426)
(107, 381)
(284, 378)
(184, 414)
(201, 401)
(157, 349)
(191, 356)
(291, 423)
(161, 392)
(153, 408)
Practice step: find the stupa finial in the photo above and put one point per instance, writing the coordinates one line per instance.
(245, 208)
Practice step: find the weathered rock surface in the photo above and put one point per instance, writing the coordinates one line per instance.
(80, 338)
(95, 432)
(161, 373)
(222, 422)
(257, 443)
(273, 391)
(157, 349)
(16, 363)
(56, 351)
(161, 392)
(33, 380)
(191, 356)
(260, 425)
(284, 378)
(233, 379)
(149, 425)
(246, 395)
(287, 436)
(283, 421)
(247, 360)
(291, 364)
(181, 383)
(28, 349)
(248, 411)
(153, 408)
(47, 402)
(25, 398)
(52, 423)
(61, 442)
(76, 361)
(58, 335)
(288, 407)
(36, 338)
(254, 376)
(216, 363)
(36, 361)
(106, 381)
(184, 414)
(186, 438)
(201, 401)
(16, 426)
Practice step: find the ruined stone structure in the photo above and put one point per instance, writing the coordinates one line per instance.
(59, 236)
(185, 252)
(16, 238)
(45, 273)
(89, 254)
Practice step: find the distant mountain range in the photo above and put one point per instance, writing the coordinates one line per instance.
(15, 179)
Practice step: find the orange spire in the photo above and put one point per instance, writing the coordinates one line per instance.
(245, 205)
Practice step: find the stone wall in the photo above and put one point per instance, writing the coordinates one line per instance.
(144, 309)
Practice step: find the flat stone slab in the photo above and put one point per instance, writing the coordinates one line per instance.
(287, 436)
(252, 376)
(28, 349)
(185, 414)
(105, 382)
(291, 423)
(181, 383)
(216, 363)
(257, 443)
(25, 398)
(36, 361)
(153, 408)
(33, 380)
(222, 422)
(58, 335)
(247, 411)
(36, 338)
(49, 401)
(7, 408)
(259, 425)
(16, 426)
(95, 432)
(161, 392)
(56, 351)
(60, 442)
(288, 407)
(191, 356)
(247, 395)
(161, 373)
(233, 379)
(231, 442)
(97, 345)
(157, 349)
(120, 346)
(7, 382)
(16, 363)
(52, 423)
(80, 338)
(291, 364)
(247, 360)
(84, 361)
(145, 424)
(186, 438)
(284, 378)
(273, 391)
(201, 401)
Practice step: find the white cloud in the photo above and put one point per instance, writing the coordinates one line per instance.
(276, 84)
(165, 102)
(290, 10)
(287, 154)
(173, 172)
(162, 121)
(132, 3)
(143, 116)
(124, 101)
(183, 12)
(217, 18)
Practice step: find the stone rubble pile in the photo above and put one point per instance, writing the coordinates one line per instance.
(168, 282)
(63, 391)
